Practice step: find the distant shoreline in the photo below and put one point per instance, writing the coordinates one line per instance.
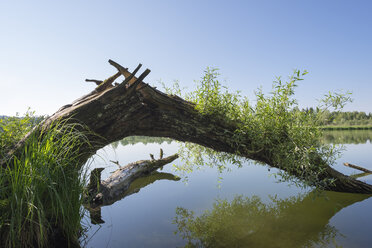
(356, 127)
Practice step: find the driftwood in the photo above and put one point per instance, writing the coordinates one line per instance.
(135, 187)
(123, 182)
(113, 112)
(358, 168)
(108, 191)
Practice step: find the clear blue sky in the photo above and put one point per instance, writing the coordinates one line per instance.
(48, 48)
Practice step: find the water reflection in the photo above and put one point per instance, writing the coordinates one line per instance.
(144, 220)
(300, 221)
(132, 140)
(330, 136)
(347, 136)
(135, 187)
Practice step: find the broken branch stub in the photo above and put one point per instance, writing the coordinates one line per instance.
(97, 82)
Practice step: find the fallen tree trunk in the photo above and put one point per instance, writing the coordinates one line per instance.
(113, 112)
(125, 181)
(114, 188)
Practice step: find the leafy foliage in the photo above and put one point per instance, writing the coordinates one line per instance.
(288, 137)
(13, 129)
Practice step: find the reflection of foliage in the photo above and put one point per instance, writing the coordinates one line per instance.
(347, 137)
(195, 156)
(273, 130)
(132, 140)
(248, 222)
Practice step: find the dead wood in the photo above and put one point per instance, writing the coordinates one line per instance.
(135, 108)
(125, 181)
(108, 191)
(358, 168)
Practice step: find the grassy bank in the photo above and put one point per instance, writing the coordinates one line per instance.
(41, 189)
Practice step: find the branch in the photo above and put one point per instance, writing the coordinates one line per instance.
(133, 86)
(358, 168)
(129, 80)
(124, 71)
(97, 82)
(107, 83)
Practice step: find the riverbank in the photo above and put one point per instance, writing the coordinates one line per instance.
(42, 185)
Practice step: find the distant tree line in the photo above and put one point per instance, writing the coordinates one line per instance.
(15, 121)
(342, 119)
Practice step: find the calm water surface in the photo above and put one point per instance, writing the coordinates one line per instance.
(248, 208)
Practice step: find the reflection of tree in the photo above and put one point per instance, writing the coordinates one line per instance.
(248, 222)
(347, 136)
(144, 181)
(195, 156)
(132, 140)
(135, 187)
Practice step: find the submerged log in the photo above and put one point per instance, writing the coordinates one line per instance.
(113, 112)
(135, 187)
(114, 188)
(125, 181)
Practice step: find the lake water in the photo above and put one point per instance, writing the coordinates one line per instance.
(246, 208)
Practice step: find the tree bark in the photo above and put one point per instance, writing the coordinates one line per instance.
(132, 107)
(125, 181)
(114, 188)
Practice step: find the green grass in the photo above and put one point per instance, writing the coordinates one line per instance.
(41, 190)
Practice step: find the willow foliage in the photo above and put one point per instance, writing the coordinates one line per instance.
(274, 123)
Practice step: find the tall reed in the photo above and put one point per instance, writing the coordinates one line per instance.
(41, 190)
